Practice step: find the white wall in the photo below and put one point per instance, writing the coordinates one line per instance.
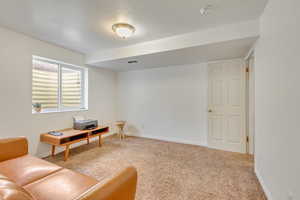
(277, 80)
(165, 103)
(16, 119)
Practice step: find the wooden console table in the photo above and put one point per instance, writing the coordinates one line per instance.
(71, 136)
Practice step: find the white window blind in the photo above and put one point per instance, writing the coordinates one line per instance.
(57, 86)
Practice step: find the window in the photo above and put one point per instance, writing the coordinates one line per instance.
(57, 86)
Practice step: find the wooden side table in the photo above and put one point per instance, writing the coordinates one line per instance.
(121, 125)
(71, 136)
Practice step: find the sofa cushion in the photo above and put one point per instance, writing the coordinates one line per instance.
(26, 169)
(11, 191)
(64, 184)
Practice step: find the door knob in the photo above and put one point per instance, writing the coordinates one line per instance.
(210, 110)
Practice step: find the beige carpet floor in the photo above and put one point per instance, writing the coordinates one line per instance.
(170, 171)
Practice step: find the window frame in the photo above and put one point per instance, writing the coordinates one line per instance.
(84, 85)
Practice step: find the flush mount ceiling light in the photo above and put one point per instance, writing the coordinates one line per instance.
(205, 10)
(123, 30)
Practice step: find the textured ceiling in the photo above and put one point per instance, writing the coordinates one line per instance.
(205, 53)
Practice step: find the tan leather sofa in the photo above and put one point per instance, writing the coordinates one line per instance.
(24, 177)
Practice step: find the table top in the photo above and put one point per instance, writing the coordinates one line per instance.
(69, 132)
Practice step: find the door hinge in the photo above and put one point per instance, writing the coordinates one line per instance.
(247, 139)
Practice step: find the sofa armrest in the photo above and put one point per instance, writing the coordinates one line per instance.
(121, 187)
(12, 148)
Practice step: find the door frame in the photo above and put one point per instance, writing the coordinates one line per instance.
(250, 103)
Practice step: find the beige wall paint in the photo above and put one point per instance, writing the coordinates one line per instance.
(16, 119)
(277, 98)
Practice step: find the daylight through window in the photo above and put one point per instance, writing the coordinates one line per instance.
(57, 87)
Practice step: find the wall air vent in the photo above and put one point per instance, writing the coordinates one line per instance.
(132, 61)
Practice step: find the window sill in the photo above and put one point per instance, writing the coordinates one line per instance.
(59, 111)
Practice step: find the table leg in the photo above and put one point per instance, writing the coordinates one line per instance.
(122, 133)
(53, 150)
(100, 142)
(67, 152)
(88, 140)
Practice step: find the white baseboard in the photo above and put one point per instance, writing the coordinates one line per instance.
(263, 185)
(176, 140)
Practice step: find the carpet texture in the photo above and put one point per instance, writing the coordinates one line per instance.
(169, 171)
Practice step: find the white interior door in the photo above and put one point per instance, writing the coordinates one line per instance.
(226, 106)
